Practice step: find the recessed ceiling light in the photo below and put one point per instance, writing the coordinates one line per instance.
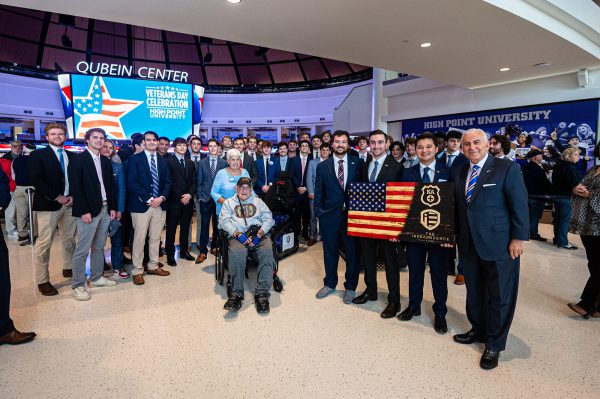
(504, 69)
(234, 1)
(425, 44)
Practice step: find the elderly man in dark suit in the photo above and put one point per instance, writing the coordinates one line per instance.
(205, 176)
(148, 185)
(94, 206)
(331, 207)
(492, 223)
(180, 204)
(380, 168)
(48, 174)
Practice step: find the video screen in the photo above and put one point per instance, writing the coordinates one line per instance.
(125, 106)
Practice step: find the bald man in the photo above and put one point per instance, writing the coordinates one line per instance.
(492, 223)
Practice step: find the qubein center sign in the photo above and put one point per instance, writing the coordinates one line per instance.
(101, 68)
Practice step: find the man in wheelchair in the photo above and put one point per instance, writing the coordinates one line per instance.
(246, 219)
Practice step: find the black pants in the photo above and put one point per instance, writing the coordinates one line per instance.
(178, 217)
(302, 217)
(590, 298)
(392, 266)
(492, 288)
(417, 254)
(6, 324)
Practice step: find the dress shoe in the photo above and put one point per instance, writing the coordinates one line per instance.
(579, 310)
(16, 338)
(201, 258)
(391, 310)
(47, 289)
(234, 303)
(261, 301)
(467, 338)
(127, 261)
(138, 279)
(171, 261)
(489, 359)
(459, 280)
(364, 298)
(186, 256)
(409, 313)
(440, 326)
(311, 242)
(26, 238)
(159, 271)
(213, 251)
(67, 273)
(537, 237)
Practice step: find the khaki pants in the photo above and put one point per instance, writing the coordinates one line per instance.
(47, 223)
(149, 223)
(20, 198)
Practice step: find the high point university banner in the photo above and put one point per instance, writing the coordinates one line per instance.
(570, 119)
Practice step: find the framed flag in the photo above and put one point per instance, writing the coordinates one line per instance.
(415, 212)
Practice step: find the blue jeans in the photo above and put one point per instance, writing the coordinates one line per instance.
(116, 250)
(536, 210)
(561, 219)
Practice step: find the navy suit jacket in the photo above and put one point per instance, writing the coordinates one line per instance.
(204, 181)
(330, 199)
(296, 170)
(139, 182)
(47, 177)
(497, 213)
(413, 174)
(459, 160)
(260, 172)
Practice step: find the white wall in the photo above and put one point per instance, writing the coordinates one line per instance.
(424, 97)
(354, 114)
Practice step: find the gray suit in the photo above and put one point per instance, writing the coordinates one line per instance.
(311, 175)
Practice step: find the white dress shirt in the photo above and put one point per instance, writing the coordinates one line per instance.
(98, 165)
(431, 171)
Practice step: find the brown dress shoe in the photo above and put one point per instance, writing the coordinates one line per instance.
(459, 280)
(47, 289)
(213, 251)
(201, 258)
(311, 242)
(67, 273)
(159, 271)
(138, 279)
(596, 315)
(16, 338)
(579, 310)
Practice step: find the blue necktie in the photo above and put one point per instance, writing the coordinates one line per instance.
(426, 178)
(213, 168)
(374, 172)
(154, 172)
(450, 160)
(61, 158)
(472, 182)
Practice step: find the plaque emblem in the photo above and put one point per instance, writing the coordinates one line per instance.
(430, 219)
(430, 195)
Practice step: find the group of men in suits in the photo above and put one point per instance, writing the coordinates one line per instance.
(491, 225)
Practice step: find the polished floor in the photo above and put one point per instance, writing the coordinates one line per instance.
(171, 338)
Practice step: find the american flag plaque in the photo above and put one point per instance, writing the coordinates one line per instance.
(415, 212)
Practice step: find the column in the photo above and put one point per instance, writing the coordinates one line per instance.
(379, 106)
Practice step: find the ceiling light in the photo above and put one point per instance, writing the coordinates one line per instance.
(504, 69)
(234, 1)
(425, 44)
(542, 64)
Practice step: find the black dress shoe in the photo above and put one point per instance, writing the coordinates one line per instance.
(47, 289)
(67, 273)
(233, 303)
(171, 261)
(26, 238)
(409, 313)
(364, 298)
(537, 237)
(127, 261)
(186, 256)
(261, 302)
(489, 359)
(16, 337)
(391, 310)
(467, 338)
(440, 326)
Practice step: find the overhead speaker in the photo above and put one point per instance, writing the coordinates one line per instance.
(583, 78)
(68, 20)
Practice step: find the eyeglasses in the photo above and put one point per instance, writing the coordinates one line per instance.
(242, 188)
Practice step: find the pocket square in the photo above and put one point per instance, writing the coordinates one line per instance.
(442, 180)
(489, 185)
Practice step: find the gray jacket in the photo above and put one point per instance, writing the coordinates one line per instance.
(231, 218)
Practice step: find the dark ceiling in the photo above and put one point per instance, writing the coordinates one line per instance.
(34, 41)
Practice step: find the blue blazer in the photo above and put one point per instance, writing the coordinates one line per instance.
(330, 199)
(295, 168)
(413, 174)
(139, 182)
(204, 181)
(260, 176)
(497, 213)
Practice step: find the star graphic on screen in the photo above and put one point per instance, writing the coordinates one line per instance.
(99, 109)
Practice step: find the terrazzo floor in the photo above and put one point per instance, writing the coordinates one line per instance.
(171, 338)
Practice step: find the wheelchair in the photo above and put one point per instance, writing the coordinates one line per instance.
(221, 261)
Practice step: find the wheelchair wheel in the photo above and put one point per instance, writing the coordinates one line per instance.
(277, 284)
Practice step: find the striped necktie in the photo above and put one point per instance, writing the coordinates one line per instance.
(472, 182)
(154, 171)
(340, 174)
